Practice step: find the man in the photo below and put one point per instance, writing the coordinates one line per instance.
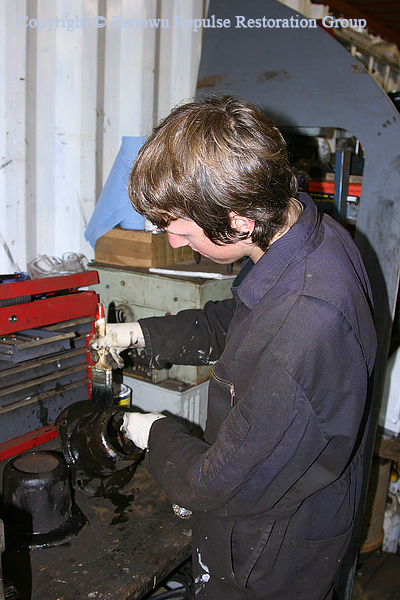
(274, 485)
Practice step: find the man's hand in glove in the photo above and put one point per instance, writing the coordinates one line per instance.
(136, 426)
(119, 337)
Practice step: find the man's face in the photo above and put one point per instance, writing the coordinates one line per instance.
(183, 232)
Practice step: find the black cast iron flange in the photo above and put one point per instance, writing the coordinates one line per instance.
(38, 506)
(101, 460)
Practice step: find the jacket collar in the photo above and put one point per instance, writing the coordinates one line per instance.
(293, 246)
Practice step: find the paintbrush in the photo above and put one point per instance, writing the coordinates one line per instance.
(102, 376)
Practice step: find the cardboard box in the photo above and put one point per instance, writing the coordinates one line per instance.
(138, 248)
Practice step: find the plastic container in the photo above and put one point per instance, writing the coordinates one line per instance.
(391, 524)
(389, 416)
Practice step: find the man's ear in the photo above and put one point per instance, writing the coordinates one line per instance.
(241, 224)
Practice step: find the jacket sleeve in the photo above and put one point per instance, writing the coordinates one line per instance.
(298, 408)
(192, 337)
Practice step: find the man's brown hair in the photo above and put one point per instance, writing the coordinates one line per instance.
(208, 159)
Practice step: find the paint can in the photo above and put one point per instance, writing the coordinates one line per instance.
(122, 394)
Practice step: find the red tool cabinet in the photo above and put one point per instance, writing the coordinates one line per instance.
(45, 327)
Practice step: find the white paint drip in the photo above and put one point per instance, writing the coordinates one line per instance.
(205, 577)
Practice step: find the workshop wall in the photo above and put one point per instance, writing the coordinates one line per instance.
(77, 75)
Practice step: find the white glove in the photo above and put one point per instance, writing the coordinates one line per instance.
(136, 426)
(119, 337)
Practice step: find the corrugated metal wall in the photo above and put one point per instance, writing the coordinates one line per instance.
(76, 76)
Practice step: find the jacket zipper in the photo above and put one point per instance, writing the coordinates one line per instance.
(230, 385)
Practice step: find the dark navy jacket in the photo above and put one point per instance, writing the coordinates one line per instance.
(275, 483)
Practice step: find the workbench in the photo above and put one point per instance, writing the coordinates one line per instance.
(132, 541)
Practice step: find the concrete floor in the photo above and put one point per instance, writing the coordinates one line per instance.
(378, 578)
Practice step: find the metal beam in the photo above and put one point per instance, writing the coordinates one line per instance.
(373, 24)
